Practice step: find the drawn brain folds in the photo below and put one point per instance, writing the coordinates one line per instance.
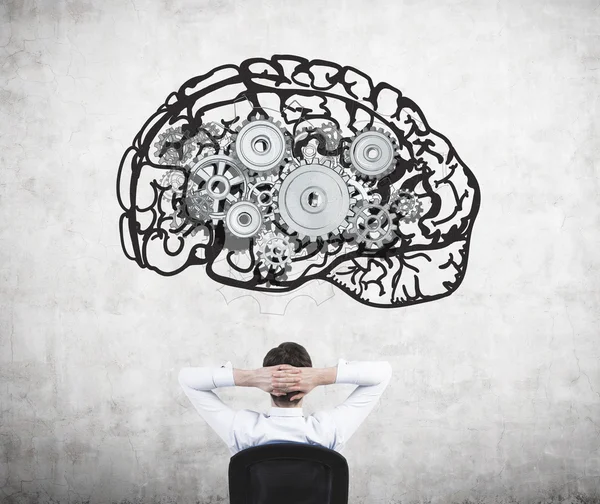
(281, 173)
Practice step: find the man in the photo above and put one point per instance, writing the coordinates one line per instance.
(287, 375)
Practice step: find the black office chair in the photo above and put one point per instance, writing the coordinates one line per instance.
(288, 473)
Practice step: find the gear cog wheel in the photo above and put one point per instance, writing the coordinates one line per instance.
(261, 145)
(371, 153)
(275, 252)
(372, 224)
(174, 180)
(407, 205)
(243, 219)
(313, 199)
(199, 206)
(261, 193)
(328, 131)
(174, 147)
(221, 179)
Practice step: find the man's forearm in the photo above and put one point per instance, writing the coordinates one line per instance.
(250, 378)
(243, 377)
(327, 376)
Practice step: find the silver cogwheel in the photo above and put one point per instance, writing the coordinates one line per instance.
(178, 221)
(243, 219)
(174, 180)
(261, 193)
(274, 253)
(261, 145)
(313, 199)
(372, 224)
(371, 153)
(328, 131)
(219, 177)
(407, 205)
(199, 206)
(174, 147)
(360, 189)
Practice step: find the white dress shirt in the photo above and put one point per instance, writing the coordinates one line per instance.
(241, 429)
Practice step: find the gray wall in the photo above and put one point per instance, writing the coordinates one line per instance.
(496, 390)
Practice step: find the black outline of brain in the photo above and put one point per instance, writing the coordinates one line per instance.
(405, 239)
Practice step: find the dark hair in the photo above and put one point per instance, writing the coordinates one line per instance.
(287, 353)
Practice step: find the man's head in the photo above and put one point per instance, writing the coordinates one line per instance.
(294, 355)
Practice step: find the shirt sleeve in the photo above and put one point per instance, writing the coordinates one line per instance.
(197, 383)
(372, 378)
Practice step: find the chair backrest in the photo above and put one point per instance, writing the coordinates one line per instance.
(288, 473)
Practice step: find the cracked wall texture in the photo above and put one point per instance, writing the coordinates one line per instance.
(495, 396)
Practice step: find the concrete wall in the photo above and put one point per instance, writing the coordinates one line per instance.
(495, 396)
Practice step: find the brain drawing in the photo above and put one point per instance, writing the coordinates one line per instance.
(284, 171)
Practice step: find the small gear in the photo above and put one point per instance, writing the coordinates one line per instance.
(372, 224)
(199, 206)
(243, 219)
(261, 145)
(221, 179)
(360, 189)
(371, 153)
(328, 131)
(178, 221)
(274, 253)
(313, 199)
(261, 193)
(212, 132)
(174, 147)
(174, 181)
(407, 205)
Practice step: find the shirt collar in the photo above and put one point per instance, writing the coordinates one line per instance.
(275, 411)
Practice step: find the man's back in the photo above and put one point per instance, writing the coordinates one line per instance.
(331, 428)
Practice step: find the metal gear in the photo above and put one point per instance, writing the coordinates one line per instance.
(199, 206)
(243, 219)
(214, 130)
(174, 147)
(371, 153)
(328, 131)
(363, 190)
(407, 205)
(178, 221)
(261, 193)
(219, 177)
(174, 180)
(274, 253)
(372, 224)
(313, 199)
(261, 145)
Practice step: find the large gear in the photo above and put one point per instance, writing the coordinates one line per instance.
(372, 224)
(261, 193)
(372, 153)
(174, 147)
(313, 199)
(274, 253)
(221, 179)
(261, 145)
(407, 205)
(244, 219)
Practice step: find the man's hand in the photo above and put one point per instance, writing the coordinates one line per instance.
(301, 379)
(262, 378)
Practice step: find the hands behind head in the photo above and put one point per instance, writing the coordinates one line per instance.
(288, 378)
(282, 379)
